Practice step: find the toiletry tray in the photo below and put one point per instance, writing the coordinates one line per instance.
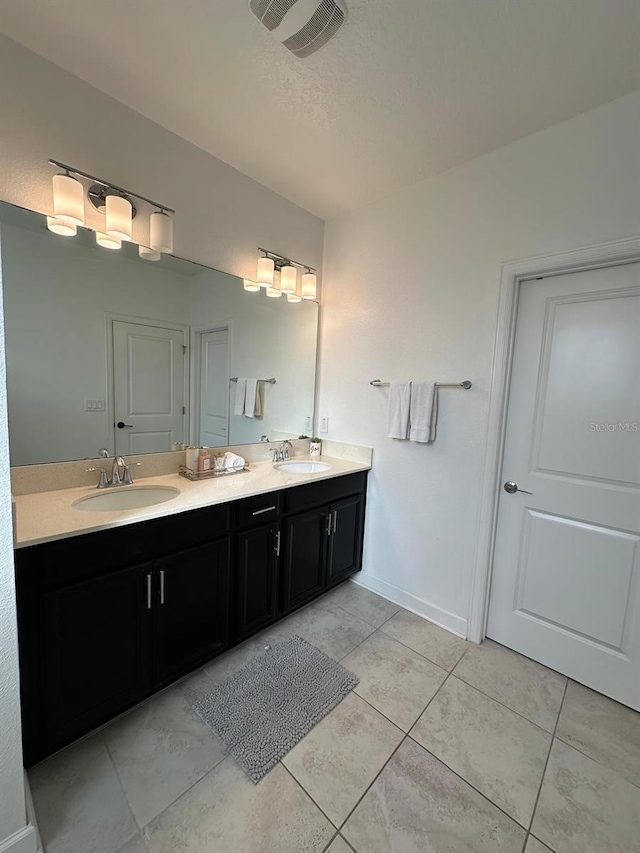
(209, 475)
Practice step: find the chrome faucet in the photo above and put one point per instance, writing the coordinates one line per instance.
(120, 474)
(281, 453)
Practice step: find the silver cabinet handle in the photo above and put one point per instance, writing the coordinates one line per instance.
(511, 488)
(162, 587)
(149, 591)
(335, 521)
(266, 509)
(329, 525)
(277, 548)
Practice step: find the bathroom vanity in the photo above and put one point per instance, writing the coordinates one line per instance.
(107, 618)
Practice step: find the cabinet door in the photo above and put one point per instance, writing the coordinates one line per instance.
(257, 579)
(305, 538)
(96, 651)
(345, 539)
(191, 608)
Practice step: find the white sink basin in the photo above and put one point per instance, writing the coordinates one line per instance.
(293, 467)
(130, 497)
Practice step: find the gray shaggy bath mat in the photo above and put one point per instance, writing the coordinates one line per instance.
(264, 709)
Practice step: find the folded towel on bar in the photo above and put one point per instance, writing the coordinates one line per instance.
(241, 389)
(259, 406)
(233, 462)
(251, 393)
(399, 408)
(424, 412)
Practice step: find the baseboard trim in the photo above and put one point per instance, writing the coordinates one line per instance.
(443, 618)
(31, 813)
(25, 840)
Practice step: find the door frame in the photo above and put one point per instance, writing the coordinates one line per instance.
(194, 385)
(513, 275)
(110, 318)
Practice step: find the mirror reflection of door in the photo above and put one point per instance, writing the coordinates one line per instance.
(212, 390)
(148, 387)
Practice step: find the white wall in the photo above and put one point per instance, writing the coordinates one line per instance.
(269, 337)
(410, 291)
(222, 217)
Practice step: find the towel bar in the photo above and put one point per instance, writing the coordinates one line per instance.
(271, 381)
(466, 384)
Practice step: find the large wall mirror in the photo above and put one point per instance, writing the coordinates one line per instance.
(107, 350)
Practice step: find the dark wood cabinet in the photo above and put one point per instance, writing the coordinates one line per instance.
(107, 618)
(305, 543)
(191, 608)
(345, 539)
(257, 561)
(97, 651)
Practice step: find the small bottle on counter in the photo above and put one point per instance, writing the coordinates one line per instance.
(204, 461)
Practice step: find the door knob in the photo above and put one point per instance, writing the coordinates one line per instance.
(512, 488)
(122, 425)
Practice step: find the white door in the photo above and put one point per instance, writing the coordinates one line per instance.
(566, 577)
(149, 385)
(214, 388)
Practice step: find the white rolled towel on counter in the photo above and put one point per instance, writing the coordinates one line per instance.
(233, 462)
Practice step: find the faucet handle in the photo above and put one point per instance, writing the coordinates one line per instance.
(127, 480)
(103, 482)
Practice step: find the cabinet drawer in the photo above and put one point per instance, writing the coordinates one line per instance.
(324, 492)
(91, 554)
(258, 510)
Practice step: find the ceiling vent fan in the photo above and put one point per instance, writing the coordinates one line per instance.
(303, 26)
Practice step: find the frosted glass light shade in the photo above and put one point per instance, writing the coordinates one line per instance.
(68, 199)
(64, 229)
(265, 272)
(251, 286)
(293, 297)
(309, 285)
(107, 241)
(148, 254)
(288, 279)
(161, 231)
(274, 292)
(118, 214)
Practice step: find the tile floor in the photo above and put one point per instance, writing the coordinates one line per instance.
(444, 747)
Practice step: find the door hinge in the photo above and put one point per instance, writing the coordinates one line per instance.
(185, 349)
(184, 410)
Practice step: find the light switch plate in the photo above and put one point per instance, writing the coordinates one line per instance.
(92, 404)
(309, 424)
(324, 425)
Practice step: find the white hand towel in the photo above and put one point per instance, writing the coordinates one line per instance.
(257, 412)
(241, 390)
(250, 398)
(424, 411)
(399, 407)
(233, 462)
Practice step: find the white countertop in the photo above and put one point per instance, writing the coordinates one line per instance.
(47, 516)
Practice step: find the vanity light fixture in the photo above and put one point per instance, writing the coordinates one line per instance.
(117, 205)
(288, 279)
(266, 268)
(274, 291)
(309, 285)
(148, 254)
(251, 286)
(107, 241)
(118, 216)
(68, 199)
(64, 229)
(272, 264)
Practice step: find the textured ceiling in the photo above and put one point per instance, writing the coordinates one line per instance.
(407, 89)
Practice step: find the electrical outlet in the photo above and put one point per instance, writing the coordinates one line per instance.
(309, 424)
(324, 425)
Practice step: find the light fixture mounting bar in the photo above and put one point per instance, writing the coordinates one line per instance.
(282, 260)
(74, 171)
